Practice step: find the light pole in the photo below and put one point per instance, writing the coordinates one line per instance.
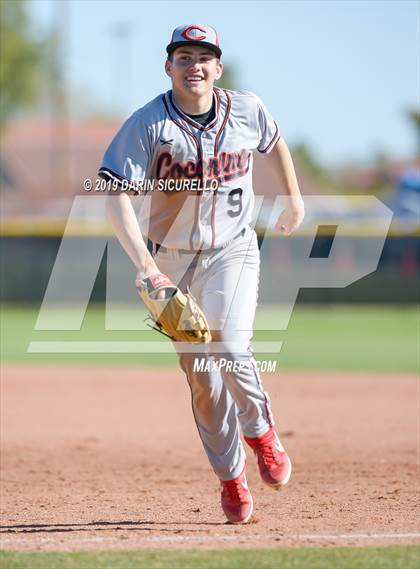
(121, 61)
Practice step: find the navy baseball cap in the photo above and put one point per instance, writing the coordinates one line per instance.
(194, 34)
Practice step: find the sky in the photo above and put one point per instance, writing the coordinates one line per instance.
(337, 75)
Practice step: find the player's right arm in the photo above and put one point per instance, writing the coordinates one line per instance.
(127, 161)
(124, 222)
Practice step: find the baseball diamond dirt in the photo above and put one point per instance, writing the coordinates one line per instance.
(104, 458)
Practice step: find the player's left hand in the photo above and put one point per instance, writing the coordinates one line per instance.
(291, 217)
(174, 313)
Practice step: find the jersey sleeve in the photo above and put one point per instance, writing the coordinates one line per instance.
(269, 132)
(128, 157)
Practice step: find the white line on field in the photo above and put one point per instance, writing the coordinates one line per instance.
(19, 539)
(284, 537)
(137, 347)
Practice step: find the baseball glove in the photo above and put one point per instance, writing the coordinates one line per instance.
(175, 314)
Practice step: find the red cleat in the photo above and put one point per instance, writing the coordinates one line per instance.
(273, 462)
(237, 501)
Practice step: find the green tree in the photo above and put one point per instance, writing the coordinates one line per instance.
(303, 154)
(413, 116)
(21, 60)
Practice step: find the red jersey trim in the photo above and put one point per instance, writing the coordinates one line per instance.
(111, 174)
(216, 151)
(272, 141)
(191, 121)
(107, 174)
(225, 119)
(199, 157)
(182, 127)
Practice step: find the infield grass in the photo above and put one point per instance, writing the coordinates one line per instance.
(395, 557)
(328, 337)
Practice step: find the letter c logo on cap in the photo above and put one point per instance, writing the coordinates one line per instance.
(187, 36)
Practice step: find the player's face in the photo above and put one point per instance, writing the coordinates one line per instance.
(194, 70)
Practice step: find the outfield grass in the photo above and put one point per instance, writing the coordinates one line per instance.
(328, 337)
(401, 557)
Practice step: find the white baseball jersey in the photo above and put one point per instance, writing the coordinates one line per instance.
(162, 144)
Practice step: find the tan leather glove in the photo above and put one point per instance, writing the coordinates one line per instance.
(173, 313)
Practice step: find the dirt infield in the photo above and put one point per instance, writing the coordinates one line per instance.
(101, 458)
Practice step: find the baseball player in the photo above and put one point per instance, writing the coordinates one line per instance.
(195, 143)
